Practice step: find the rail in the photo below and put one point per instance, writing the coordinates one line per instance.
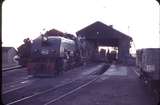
(11, 68)
(81, 82)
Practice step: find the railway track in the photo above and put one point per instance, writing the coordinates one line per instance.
(38, 94)
(14, 77)
(15, 101)
(11, 68)
(10, 83)
(71, 91)
(51, 95)
(15, 82)
(17, 86)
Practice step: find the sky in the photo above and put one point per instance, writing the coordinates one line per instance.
(27, 18)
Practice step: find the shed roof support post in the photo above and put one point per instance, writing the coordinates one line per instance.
(123, 51)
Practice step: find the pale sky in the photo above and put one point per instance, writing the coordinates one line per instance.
(27, 18)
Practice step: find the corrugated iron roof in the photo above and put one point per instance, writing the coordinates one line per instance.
(99, 30)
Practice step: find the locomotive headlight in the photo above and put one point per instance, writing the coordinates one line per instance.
(45, 39)
(16, 58)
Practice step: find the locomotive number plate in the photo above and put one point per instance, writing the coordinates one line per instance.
(44, 52)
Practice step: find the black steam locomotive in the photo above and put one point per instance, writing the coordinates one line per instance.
(49, 54)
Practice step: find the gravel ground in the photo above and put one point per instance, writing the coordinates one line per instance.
(118, 86)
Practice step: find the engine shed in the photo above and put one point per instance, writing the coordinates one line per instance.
(100, 34)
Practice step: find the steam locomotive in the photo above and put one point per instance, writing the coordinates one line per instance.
(49, 54)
